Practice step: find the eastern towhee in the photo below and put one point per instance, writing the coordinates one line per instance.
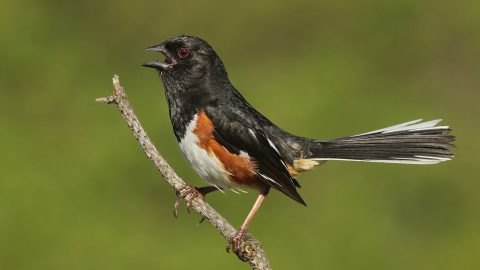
(233, 146)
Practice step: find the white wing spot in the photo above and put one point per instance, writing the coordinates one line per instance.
(252, 133)
(273, 145)
(268, 178)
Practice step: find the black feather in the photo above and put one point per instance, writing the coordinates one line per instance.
(244, 136)
(433, 144)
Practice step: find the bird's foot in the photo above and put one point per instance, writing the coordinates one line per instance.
(235, 241)
(189, 193)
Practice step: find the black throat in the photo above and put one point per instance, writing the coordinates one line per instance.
(187, 97)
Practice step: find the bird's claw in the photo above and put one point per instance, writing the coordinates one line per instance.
(189, 194)
(235, 241)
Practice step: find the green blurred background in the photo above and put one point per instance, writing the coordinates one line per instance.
(76, 192)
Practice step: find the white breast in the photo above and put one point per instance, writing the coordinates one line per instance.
(206, 164)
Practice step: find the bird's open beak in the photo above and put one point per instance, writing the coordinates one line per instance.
(169, 62)
(156, 64)
(157, 48)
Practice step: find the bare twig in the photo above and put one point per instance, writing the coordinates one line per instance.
(251, 250)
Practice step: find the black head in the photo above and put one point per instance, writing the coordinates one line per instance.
(187, 59)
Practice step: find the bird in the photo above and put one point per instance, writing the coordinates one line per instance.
(232, 146)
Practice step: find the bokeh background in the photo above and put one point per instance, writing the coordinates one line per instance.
(76, 192)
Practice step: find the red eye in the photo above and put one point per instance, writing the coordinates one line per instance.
(183, 52)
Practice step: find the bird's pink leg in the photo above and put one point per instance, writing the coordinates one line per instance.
(236, 239)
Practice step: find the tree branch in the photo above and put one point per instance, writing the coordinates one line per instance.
(251, 250)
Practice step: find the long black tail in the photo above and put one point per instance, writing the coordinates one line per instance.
(411, 143)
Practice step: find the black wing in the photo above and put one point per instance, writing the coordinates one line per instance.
(236, 133)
